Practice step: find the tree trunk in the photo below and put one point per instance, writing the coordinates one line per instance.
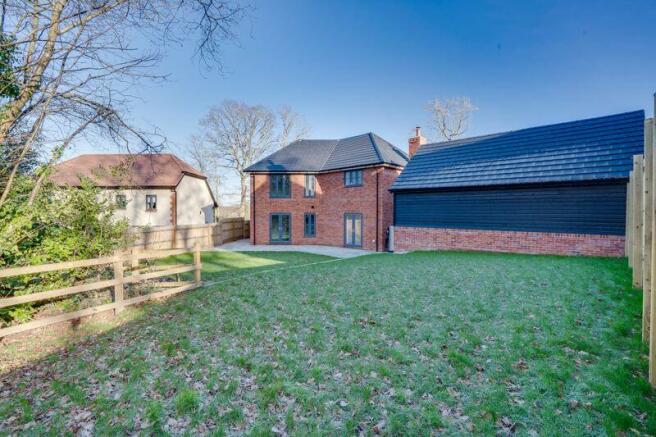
(244, 195)
(14, 108)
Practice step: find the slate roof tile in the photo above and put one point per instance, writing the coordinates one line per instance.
(584, 150)
(329, 155)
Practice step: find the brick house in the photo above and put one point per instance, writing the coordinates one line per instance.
(326, 192)
(557, 189)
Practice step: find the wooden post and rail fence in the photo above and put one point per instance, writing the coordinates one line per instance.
(121, 278)
(150, 244)
(640, 230)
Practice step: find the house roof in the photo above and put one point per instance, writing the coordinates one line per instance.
(329, 155)
(585, 150)
(125, 170)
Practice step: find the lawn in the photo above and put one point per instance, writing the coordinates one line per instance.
(416, 344)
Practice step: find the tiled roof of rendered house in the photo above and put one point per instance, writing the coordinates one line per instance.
(585, 150)
(124, 170)
(330, 155)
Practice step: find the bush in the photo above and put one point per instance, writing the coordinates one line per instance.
(63, 224)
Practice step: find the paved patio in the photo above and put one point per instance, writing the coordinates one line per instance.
(337, 252)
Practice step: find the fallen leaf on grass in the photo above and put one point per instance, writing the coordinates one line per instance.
(506, 425)
(521, 364)
(278, 431)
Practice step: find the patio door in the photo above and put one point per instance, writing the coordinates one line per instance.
(280, 230)
(353, 230)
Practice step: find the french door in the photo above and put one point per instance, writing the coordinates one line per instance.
(280, 230)
(353, 230)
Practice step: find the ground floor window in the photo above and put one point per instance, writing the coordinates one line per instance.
(280, 229)
(353, 230)
(310, 221)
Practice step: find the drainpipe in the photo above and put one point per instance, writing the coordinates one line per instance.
(253, 208)
(174, 217)
(377, 236)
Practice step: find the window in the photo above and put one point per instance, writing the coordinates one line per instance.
(151, 202)
(353, 178)
(310, 225)
(310, 185)
(121, 201)
(280, 185)
(353, 230)
(280, 227)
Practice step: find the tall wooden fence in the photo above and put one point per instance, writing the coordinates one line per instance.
(179, 237)
(126, 270)
(640, 229)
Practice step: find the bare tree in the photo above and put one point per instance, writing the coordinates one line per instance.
(292, 126)
(205, 160)
(69, 66)
(237, 135)
(450, 116)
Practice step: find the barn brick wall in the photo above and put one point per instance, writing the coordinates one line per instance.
(411, 238)
(332, 201)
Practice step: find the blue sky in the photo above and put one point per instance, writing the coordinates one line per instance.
(356, 66)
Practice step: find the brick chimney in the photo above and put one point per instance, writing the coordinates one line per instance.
(415, 142)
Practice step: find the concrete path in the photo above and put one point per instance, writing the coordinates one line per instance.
(337, 252)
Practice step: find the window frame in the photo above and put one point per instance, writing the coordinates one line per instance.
(148, 207)
(348, 180)
(277, 195)
(352, 216)
(314, 225)
(280, 215)
(121, 204)
(306, 192)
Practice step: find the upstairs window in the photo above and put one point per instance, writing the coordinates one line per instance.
(121, 201)
(279, 186)
(310, 229)
(151, 202)
(353, 178)
(310, 185)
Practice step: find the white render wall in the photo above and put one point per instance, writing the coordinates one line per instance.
(195, 204)
(135, 211)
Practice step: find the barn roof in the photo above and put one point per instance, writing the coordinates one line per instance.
(124, 170)
(328, 155)
(585, 150)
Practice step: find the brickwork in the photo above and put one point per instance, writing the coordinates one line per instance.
(408, 238)
(331, 202)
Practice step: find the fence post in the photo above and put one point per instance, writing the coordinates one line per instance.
(637, 219)
(629, 220)
(650, 138)
(118, 287)
(219, 224)
(197, 263)
(134, 259)
(647, 231)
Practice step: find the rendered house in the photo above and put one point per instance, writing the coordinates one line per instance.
(326, 192)
(558, 189)
(149, 190)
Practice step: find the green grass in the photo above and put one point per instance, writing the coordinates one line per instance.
(220, 266)
(399, 344)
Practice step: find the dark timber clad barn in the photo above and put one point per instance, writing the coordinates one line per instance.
(553, 189)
